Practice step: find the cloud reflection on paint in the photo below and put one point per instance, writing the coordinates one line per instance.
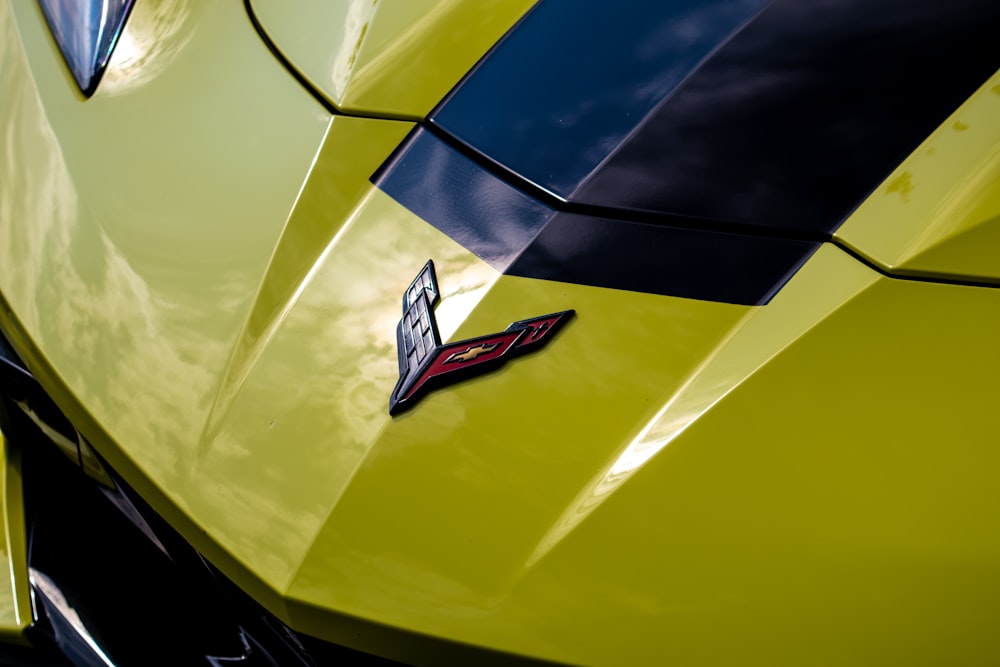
(153, 37)
(357, 20)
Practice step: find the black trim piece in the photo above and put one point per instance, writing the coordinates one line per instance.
(639, 257)
(572, 80)
(788, 124)
(804, 112)
(23, 656)
(521, 236)
(130, 601)
(511, 178)
(519, 183)
(20, 387)
(481, 212)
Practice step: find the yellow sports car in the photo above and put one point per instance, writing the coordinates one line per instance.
(498, 331)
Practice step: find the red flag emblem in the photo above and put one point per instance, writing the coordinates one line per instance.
(425, 364)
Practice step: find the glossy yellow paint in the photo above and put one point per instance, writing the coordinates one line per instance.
(394, 58)
(669, 480)
(446, 498)
(811, 480)
(126, 280)
(938, 214)
(15, 597)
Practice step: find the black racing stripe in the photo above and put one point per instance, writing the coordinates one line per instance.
(640, 257)
(485, 215)
(589, 69)
(788, 124)
(521, 236)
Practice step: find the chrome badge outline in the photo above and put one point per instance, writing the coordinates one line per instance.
(425, 364)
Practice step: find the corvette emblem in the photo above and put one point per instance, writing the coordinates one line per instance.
(426, 364)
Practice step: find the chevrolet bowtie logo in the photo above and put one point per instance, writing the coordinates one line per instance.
(426, 364)
(471, 354)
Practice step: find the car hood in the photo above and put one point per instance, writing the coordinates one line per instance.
(221, 324)
(394, 58)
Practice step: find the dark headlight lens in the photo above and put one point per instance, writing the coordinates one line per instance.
(86, 31)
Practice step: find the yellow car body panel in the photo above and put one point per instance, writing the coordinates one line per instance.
(672, 479)
(75, 184)
(938, 214)
(394, 58)
(737, 495)
(15, 600)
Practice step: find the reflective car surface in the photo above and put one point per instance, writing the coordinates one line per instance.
(454, 332)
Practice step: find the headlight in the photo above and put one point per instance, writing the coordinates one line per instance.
(86, 32)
